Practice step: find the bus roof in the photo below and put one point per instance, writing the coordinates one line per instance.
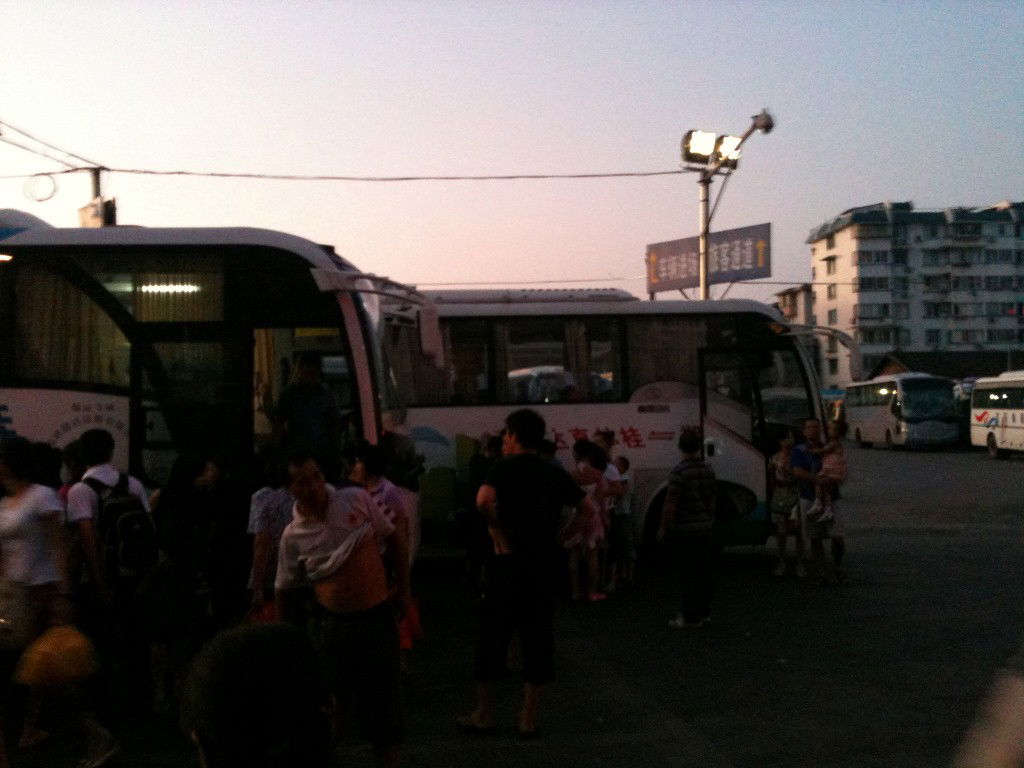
(1002, 378)
(897, 377)
(516, 302)
(19, 229)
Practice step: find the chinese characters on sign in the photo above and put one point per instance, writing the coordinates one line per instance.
(733, 255)
(628, 437)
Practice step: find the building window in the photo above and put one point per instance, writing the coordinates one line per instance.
(831, 290)
(873, 284)
(833, 366)
(830, 265)
(965, 336)
(833, 316)
(932, 336)
(833, 345)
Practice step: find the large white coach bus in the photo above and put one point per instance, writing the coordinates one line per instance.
(605, 360)
(178, 338)
(997, 413)
(903, 409)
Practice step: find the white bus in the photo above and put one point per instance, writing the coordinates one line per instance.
(997, 413)
(178, 338)
(905, 409)
(600, 360)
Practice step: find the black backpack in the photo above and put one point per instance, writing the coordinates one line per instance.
(125, 533)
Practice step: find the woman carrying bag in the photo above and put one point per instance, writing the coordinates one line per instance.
(34, 589)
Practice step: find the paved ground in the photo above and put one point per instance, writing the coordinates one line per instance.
(884, 671)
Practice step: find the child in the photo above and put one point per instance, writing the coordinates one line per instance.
(584, 546)
(833, 471)
(621, 552)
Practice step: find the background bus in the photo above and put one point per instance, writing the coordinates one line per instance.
(176, 339)
(595, 360)
(997, 413)
(906, 409)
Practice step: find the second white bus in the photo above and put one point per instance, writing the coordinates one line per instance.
(605, 360)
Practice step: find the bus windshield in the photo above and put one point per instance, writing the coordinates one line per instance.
(928, 399)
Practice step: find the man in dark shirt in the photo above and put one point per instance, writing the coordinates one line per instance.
(307, 419)
(522, 499)
(688, 518)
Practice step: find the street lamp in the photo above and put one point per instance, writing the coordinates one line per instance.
(711, 153)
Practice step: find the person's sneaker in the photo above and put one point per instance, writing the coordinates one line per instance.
(596, 597)
(780, 569)
(801, 572)
(826, 515)
(815, 510)
(609, 587)
(677, 622)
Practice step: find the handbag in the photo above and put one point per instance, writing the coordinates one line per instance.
(784, 500)
(59, 656)
(16, 616)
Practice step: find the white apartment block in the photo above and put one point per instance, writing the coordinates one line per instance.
(949, 281)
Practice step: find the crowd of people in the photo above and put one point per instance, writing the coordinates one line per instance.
(156, 580)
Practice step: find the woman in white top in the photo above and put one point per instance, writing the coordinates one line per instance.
(32, 554)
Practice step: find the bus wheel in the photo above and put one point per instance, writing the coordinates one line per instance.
(993, 447)
(859, 440)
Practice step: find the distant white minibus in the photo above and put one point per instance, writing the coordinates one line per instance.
(903, 409)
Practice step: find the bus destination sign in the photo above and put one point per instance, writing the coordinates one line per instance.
(733, 255)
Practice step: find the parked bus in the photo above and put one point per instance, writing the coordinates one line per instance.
(605, 360)
(997, 413)
(905, 409)
(177, 338)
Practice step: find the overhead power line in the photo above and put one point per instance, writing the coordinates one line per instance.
(384, 179)
(48, 145)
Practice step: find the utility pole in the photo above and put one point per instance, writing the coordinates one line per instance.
(99, 212)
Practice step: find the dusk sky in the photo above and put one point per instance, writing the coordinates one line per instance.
(873, 101)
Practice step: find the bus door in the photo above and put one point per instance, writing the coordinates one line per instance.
(195, 381)
(730, 405)
(733, 430)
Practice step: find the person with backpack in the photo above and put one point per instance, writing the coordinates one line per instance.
(116, 545)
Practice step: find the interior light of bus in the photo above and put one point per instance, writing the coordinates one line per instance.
(883, 391)
(172, 288)
(6, 257)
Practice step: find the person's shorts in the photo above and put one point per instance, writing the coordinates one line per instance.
(360, 655)
(518, 595)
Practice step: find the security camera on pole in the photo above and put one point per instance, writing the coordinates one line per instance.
(711, 153)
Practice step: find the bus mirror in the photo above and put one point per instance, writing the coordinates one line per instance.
(431, 344)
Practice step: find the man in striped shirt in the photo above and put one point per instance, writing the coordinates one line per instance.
(687, 521)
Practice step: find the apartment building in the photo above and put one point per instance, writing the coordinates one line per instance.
(948, 281)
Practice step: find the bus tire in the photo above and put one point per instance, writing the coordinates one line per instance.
(861, 443)
(993, 447)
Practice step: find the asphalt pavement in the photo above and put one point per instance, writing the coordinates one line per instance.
(886, 670)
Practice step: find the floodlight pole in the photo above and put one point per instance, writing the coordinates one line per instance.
(704, 184)
(762, 122)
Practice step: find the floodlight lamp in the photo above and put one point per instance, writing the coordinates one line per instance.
(727, 147)
(699, 146)
(6, 257)
(763, 122)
